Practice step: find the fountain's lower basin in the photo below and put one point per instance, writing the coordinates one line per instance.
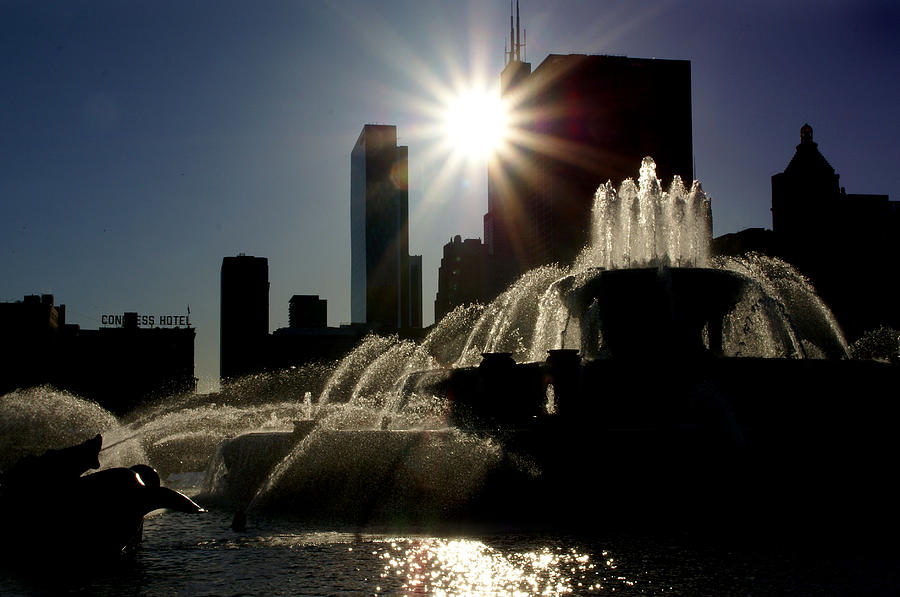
(730, 441)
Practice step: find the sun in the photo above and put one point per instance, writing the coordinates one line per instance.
(475, 123)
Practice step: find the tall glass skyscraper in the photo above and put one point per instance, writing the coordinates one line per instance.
(379, 230)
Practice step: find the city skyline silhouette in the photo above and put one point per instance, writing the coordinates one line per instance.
(143, 145)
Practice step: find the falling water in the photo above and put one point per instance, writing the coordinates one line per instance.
(507, 324)
(780, 315)
(340, 385)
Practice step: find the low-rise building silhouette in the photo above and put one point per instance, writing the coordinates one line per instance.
(307, 311)
(308, 338)
(118, 367)
(292, 347)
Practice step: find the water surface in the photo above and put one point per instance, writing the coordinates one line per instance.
(185, 555)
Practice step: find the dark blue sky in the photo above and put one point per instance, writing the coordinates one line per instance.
(140, 142)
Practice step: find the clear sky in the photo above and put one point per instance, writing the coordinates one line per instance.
(141, 142)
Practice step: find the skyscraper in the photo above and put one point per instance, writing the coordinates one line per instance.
(578, 121)
(244, 315)
(379, 233)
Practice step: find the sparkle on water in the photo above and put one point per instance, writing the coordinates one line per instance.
(468, 567)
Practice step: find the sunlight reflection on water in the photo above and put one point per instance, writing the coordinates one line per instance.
(463, 566)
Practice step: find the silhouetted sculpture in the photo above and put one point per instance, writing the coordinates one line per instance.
(46, 505)
(53, 466)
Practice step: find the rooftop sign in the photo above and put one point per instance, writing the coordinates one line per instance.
(147, 321)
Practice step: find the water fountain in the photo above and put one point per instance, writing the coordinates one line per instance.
(647, 377)
(646, 355)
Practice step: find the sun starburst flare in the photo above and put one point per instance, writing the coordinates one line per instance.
(476, 123)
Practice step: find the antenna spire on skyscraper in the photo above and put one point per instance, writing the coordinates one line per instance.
(518, 45)
(512, 39)
(514, 54)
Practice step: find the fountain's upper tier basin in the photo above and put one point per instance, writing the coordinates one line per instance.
(654, 311)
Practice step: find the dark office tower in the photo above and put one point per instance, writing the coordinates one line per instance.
(307, 311)
(461, 275)
(415, 291)
(578, 121)
(244, 312)
(379, 234)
